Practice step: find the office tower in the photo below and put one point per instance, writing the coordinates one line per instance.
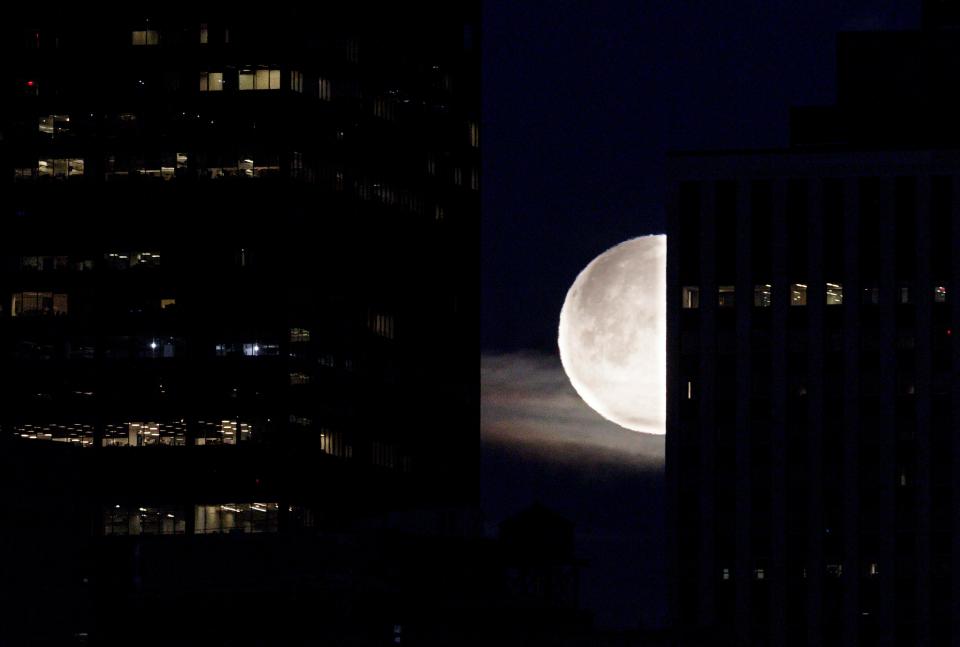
(812, 449)
(237, 293)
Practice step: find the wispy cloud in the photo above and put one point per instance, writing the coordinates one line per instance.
(527, 402)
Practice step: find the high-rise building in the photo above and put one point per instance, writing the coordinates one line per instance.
(813, 453)
(238, 304)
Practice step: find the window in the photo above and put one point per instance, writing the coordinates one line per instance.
(474, 134)
(78, 434)
(143, 434)
(834, 570)
(834, 294)
(300, 421)
(689, 389)
(146, 37)
(223, 432)
(798, 294)
(204, 34)
(298, 378)
(940, 294)
(54, 125)
(762, 297)
(60, 168)
(296, 81)
(903, 293)
(236, 517)
(871, 296)
(725, 573)
(127, 260)
(332, 443)
(725, 294)
(211, 81)
(261, 350)
(691, 297)
(381, 324)
(260, 79)
(323, 89)
(759, 573)
(28, 304)
(167, 303)
(298, 335)
(141, 520)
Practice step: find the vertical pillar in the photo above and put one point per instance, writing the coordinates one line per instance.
(923, 387)
(743, 556)
(779, 573)
(815, 374)
(851, 412)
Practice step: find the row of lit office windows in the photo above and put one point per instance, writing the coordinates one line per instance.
(833, 295)
(256, 517)
(203, 433)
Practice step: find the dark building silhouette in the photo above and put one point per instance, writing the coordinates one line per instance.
(238, 312)
(813, 453)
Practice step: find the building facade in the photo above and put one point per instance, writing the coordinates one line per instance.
(237, 290)
(813, 355)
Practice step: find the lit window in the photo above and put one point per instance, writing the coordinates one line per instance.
(323, 89)
(54, 125)
(261, 350)
(381, 324)
(725, 574)
(38, 303)
(759, 573)
(146, 37)
(299, 335)
(296, 81)
(904, 293)
(297, 378)
(940, 294)
(834, 293)
(834, 570)
(872, 569)
(691, 297)
(260, 79)
(689, 389)
(725, 294)
(60, 168)
(474, 135)
(204, 34)
(236, 517)
(211, 81)
(142, 520)
(871, 296)
(798, 294)
(762, 296)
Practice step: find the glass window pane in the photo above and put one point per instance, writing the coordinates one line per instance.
(246, 80)
(798, 294)
(762, 296)
(691, 296)
(725, 294)
(834, 294)
(262, 81)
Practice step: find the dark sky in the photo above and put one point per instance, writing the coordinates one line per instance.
(582, 99)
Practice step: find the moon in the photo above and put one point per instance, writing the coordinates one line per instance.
(613, 334)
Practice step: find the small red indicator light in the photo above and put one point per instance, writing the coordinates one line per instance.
(949, 332)
(30, 84)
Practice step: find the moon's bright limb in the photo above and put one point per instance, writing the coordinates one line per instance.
(613, 334)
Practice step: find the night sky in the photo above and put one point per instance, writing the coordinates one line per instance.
(581, 102)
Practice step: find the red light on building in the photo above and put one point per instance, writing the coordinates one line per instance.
(29, 84)
(949, 331)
